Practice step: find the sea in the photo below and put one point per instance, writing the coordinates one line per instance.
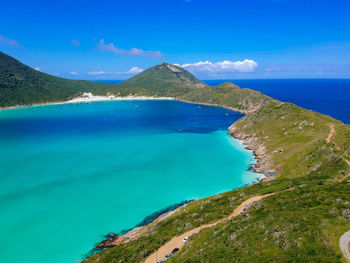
(72, 173)
(326, 96)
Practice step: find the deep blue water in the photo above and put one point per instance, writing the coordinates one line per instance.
(150, 116)
(327, 96)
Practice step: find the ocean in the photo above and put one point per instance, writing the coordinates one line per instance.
(326, 96)
(70, 173)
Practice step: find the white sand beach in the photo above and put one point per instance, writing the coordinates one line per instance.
(89, 97)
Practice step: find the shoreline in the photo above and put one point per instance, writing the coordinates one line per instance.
(248, 141)
(113, 240)
(262, 165)
(89, 98)
(217, 105)
(134, 233)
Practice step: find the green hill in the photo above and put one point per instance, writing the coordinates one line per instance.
(22, 85)
(161, 80)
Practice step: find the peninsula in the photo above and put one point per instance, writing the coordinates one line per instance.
(299, 216)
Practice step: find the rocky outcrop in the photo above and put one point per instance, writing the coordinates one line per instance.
(113, 240)
(263, 164)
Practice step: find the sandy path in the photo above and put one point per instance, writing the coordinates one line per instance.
(344, 242)
(329, 139)
(177, 242)
(331, 132)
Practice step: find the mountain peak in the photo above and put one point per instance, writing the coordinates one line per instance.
(164, 79)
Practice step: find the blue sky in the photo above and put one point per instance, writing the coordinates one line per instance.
(213, 39)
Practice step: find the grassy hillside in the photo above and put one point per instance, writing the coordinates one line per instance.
(302, 224)
(22, 85)
(229, 95)
(294, 139)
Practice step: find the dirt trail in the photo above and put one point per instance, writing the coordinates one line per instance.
(177, 242)
(329, 139)
(331, 132)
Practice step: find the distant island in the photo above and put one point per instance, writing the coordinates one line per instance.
(297, 214)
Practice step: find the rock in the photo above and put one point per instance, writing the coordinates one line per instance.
(232, 199)
(217, 197)
(233, 236)
(346, 213)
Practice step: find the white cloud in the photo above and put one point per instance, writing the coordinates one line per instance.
(8, 41)
(98, 73)
(75, 42)
(226, 66)
(134, 70)
(37, 68)
(131, 52)
(74, 73)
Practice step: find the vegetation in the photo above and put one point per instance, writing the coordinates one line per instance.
(303, 225)
(310, 153)
(229, 95)
(22, 85)
(161, 80)
(295, 139)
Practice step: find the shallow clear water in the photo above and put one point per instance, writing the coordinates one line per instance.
(72, 173)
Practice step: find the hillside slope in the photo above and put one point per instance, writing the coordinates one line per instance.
(229, 95)
(161, 80)
(22, 85)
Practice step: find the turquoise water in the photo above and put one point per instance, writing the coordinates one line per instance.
(70, 174)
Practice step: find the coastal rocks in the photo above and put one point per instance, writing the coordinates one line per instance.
(252, 143)
(113, 240)
(116, 240)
